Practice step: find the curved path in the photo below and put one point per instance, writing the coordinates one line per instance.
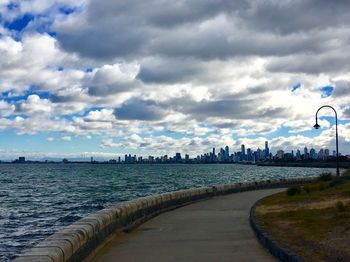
(216, 229)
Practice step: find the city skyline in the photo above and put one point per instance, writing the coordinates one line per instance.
(223, 155)
(87, 77)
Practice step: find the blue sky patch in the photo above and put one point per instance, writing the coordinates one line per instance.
(326, 91)
(20, 23)
(12, 6)
(53, 34)
(297, 86)
(67, 10)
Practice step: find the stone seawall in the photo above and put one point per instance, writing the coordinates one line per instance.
(80, 239)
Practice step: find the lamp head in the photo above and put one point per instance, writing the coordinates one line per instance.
(317, 126)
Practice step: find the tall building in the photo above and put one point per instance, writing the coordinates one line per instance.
(306, 154)
(178, 157)
(280, 154)
(267, 150)
(227, 153)
(321, 154)
(260, 155)
(313, 154)
(243, 152)
(326, 153)
(249, 155)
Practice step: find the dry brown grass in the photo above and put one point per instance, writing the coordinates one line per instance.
(310, 223)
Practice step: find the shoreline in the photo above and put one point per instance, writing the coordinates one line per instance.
(267, 164)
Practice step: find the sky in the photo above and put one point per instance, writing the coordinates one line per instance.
(103, 78)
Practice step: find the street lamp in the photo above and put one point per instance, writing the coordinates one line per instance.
(317, 126)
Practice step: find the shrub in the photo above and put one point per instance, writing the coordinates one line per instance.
(325, 177)
(293, 190)
(340, 206)
(307, 189)
(322, 186)
(337, 181)
(346, 174)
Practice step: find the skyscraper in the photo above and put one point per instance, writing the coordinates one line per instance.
(313, 154)
(243, 152)
(227, 153)
(249, 154)
(267, 150)
(306, 154)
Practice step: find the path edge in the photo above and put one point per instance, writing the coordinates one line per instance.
(283, 254)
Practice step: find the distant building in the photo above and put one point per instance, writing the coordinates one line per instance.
(227, 153)
(243, 152)
(21, 159)
(267, 150)
(178, 157)
(313, 154)
(280, 154)
(326, 153)
(321, 154)
(249, 155)
(306, 154)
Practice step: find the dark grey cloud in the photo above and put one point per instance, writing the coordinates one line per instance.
(104, 40)
(346, 112)
(162, 14)
(108, 89)
(230, 107)
(64, 99)
(342, 88)
(137, 109)
(312, 64)
(202, 29)
(111, 80)
(287, 17)
(162, 70)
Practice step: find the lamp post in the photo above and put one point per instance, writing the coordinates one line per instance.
(317, 126)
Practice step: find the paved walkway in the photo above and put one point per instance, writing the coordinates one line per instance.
(211, 230)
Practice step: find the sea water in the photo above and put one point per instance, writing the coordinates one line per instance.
(38, 199)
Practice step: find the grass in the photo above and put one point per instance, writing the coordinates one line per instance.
(313, 220)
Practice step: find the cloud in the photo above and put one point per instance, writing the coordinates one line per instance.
(66, 138)
(111, 79)
(136, 109)
(34, 105)
(165, 70)
(163, 29)
(346, 113)
(106, 143)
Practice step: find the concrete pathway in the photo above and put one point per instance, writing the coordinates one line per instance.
(217, 229)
